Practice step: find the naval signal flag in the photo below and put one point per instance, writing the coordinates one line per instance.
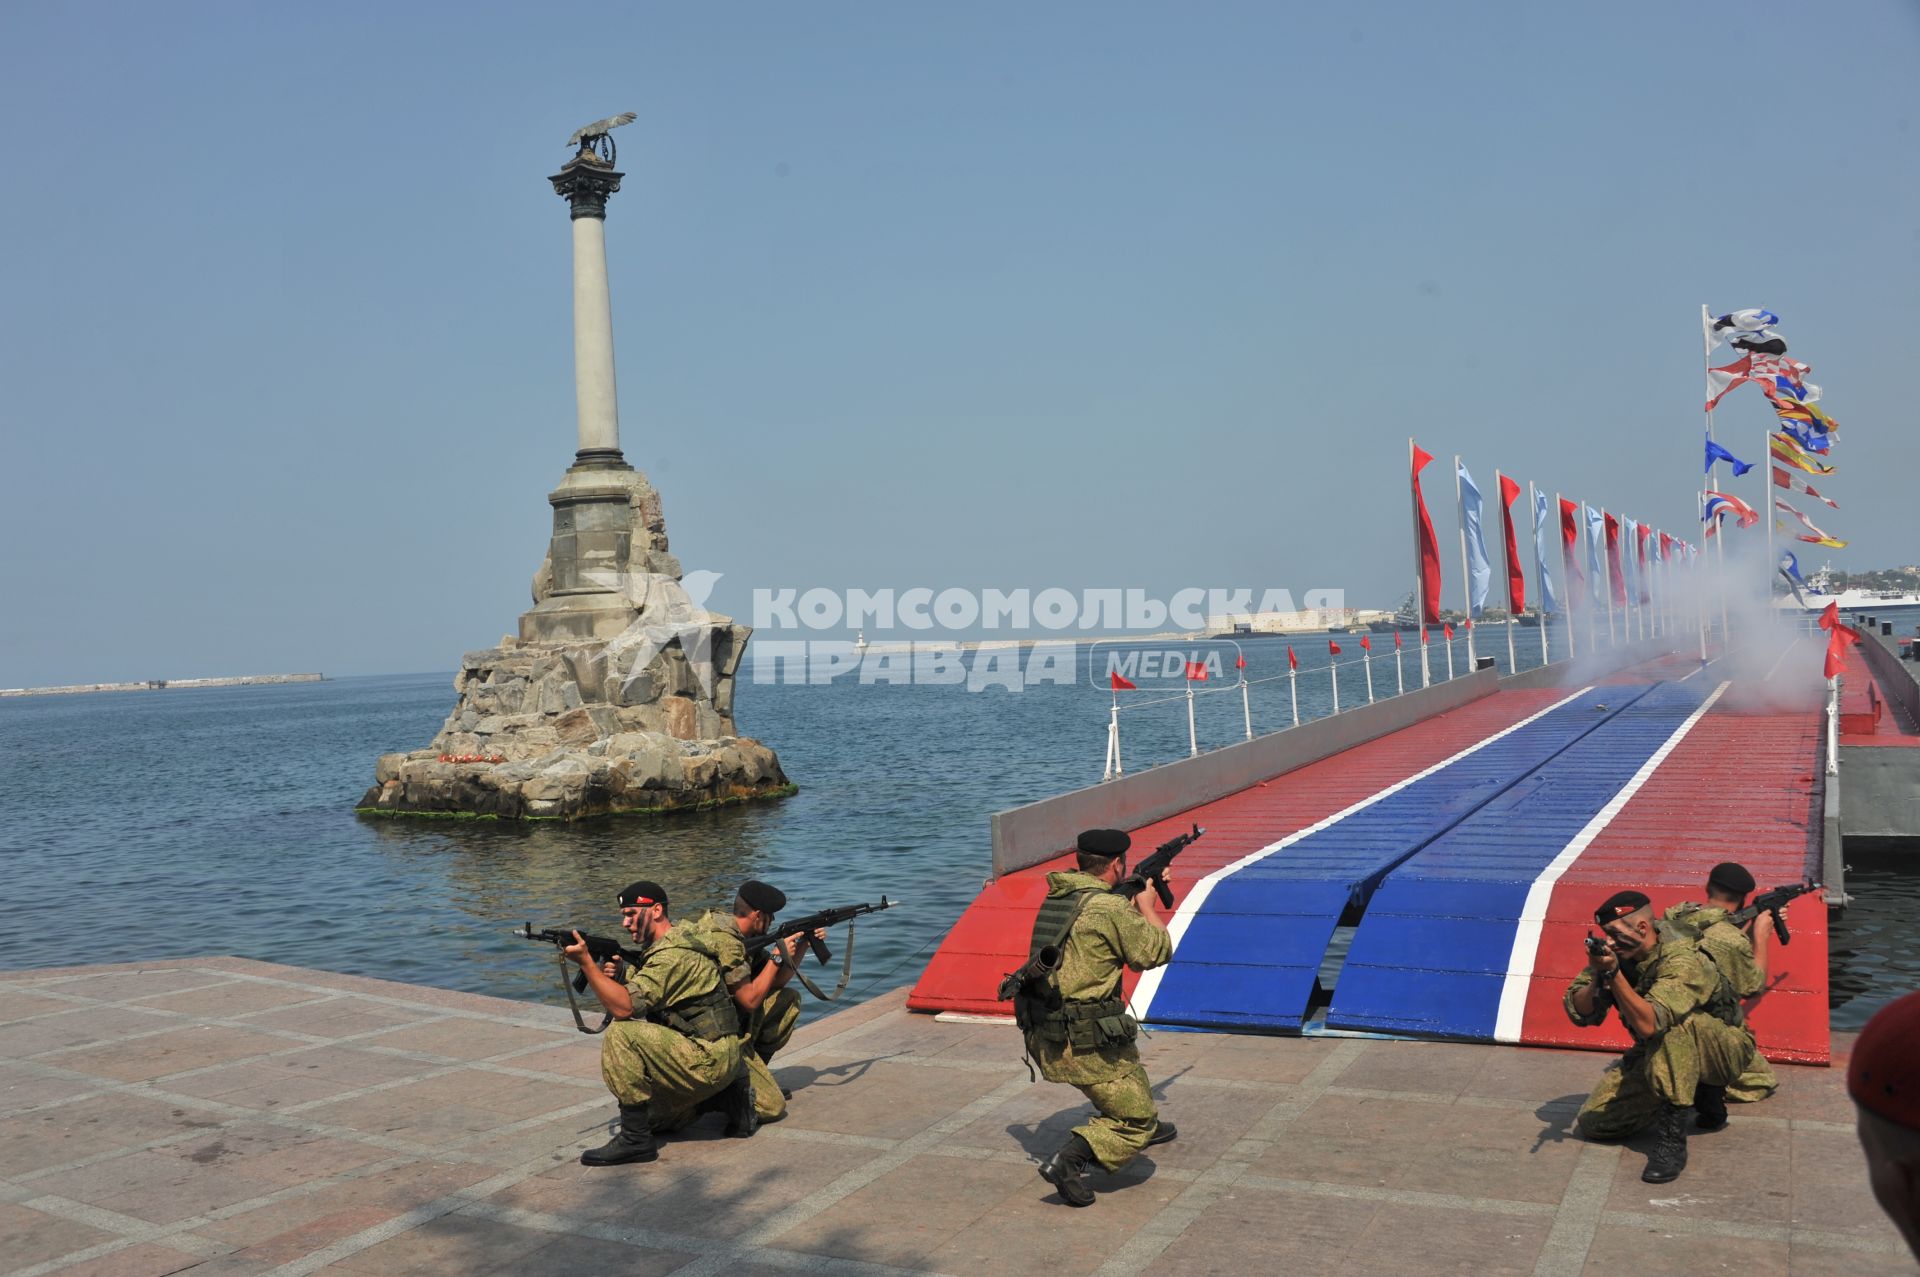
(1333, 648)
(1240, 661)
(1365, 643)
(1196, 671)
(1117, 683)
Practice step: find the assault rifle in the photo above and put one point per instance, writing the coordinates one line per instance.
(600, 948)
(1595, 946)
(1775, 903)
(1154, 869)
(805, 927)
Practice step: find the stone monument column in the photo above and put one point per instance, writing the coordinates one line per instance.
(591, 557)
(585, 186)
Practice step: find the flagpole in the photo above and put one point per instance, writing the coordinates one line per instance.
(1506, 560)
(1366, 659)
(1419, 572)
(1450, 657)
(1766, 495)
(1334, 667)
(1466, 574)
(1113, 741)
(1595, 580)
(1540, 572)
(1293, 690)
(1246, 707)
(1719, 550)
(1193, 741)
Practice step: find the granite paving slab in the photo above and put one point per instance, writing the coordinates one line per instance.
(228, 1118)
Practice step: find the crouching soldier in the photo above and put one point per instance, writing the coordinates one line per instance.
(675, 1039)
(1074, 1020)
(768, 1009)
(1688, 1031)
(1741, 955)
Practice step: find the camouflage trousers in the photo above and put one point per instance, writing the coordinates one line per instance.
(1665, 1070)
(669, 1072)
(767, 1030)
(1757, 1083)
(1114, 1082)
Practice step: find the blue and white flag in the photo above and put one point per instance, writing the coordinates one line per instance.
(1629, 570)
(1479, 570)
(1545, 544)
(1790, 568)
(1596, 566)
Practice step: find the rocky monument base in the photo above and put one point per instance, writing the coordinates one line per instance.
(568, 731)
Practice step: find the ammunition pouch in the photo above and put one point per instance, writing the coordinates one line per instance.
(1090, 1026)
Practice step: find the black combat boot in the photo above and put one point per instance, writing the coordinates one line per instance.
(1165, 1133)
(737, 1103)
(634, 1143)
(1710, 1108)
(1669, 1156)
(1066, 1170)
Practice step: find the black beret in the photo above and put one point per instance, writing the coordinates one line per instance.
(1731, 878)
(1619, 904)
(758, 895)
(643, 893)
(1103, 842)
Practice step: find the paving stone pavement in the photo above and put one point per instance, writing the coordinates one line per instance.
(230, 1118)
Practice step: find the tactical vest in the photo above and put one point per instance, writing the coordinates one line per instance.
(1039, 1009)
(708, 1016)
(1692, 930)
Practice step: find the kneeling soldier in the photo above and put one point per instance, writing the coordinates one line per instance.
(1076, 1025)
(1741, 955)
(1686, 1024)
(675, 1040)
(768, 1009)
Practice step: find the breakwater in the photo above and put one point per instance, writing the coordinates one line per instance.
(162, 684)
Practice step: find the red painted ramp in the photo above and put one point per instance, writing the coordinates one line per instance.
(991, 937)
(1744, 787)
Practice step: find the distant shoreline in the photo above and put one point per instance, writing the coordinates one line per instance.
(162, 684)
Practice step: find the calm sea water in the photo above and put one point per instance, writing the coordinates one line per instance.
(219, 821)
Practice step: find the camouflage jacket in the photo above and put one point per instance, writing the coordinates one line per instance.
(720, 930)
(1109, 934)
(1728, 946)
(678, 985)
(1678, 978)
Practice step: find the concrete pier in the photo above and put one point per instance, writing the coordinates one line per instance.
(231, 1118)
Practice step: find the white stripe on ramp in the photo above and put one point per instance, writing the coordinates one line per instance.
(1533, 915)
(1149, 985)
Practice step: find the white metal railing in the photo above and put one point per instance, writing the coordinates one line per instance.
(1565, 633)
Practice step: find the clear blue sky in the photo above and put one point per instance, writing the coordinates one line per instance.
(983, 294)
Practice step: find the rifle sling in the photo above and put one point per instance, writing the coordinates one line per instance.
(846, 972)
(566, 984)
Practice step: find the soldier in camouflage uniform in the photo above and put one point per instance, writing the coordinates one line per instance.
(1741, 955)
(1686, 1025)
(1075, 1023)
(768, 1009)
(675, 1040)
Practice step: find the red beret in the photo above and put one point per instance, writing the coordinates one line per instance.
(1884, 1075)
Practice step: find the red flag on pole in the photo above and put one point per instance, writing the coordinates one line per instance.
(1333, 648)
(1426, 548)
(1293, 662)
(1842, 637)
(1365, 644)
(1830, 617)
(1396, 638)
(1640, 534)
(1240, 661)
(1516, 579)
(1447, 630)
(1117, 683)
(1196, 671)
(1619, 582)
(1570, 547)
